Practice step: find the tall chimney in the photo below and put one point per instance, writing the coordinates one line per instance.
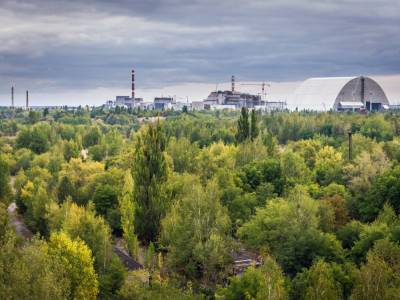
(12, 97)
(233, 83)
(27, 100)
(133, 85)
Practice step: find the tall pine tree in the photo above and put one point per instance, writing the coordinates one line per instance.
(243, 126)
(150, 175)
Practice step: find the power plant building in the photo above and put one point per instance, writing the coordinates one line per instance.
(342, 93)
(232, 99)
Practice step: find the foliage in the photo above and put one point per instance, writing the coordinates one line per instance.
(379, 277)
(36, 138)
(289, 229)
(193, 186)
(243, 126)
(137, 287)
(5, 189)
(127, 211)
(196, 234)
(183, 154)
(150, 173)
(36, 201)
(265, 282)
(77, 260)
(254, 130)
(386, 188)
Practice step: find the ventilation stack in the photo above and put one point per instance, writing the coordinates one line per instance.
(27, 100)
(12, 97)
(233, 83)
(133, 85)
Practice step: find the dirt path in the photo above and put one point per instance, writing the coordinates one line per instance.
(15, 219)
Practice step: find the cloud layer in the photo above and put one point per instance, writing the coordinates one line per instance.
(60, 47)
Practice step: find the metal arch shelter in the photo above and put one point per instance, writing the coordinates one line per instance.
(340, 92)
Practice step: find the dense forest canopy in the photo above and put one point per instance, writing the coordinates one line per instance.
(182, 193)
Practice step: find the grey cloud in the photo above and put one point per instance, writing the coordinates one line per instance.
(60, 45)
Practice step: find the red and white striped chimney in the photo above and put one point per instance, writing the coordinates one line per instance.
(133, 84)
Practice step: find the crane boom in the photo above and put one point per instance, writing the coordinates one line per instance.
(263, 85)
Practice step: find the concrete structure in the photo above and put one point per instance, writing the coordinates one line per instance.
(234, 98)
(197, 105)
(221, 107)
(271, 106)
(341, 93)
(145, 105)
(180, 105)
(163, 103)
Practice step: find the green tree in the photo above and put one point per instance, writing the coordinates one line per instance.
(35, 139)
(4, 222)
(5, 189)
(138, 287)
(77, 260)
(321, 283)
(36, 200)
(82, 223)
(150, 174)
(65, 189)
(196, 232)
(183, 153)
(379, 277)
(33, 117)
(266, 282)
(386, 188)
(294, 168)
(376, 127)
(243, 126)
(127, 211)
(92, 137)
(70, 150)
(104, 199)
(328, 166)
(254, 130)
(289, 228)
(29, 272)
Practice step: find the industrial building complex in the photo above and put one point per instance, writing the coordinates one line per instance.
(229, 99)
(335, 93)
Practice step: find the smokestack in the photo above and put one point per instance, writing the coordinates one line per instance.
(27, 100)
(233, 83)
(133, 85)
(12, 97)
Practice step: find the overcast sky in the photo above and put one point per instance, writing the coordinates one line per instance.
(72, 51)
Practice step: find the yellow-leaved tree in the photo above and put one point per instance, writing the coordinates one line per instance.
(77, 260)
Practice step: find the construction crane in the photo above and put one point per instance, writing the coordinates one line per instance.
(263, 90)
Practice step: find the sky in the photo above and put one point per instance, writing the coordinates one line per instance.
(81, 52)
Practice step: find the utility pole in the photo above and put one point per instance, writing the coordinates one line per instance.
(350, 145)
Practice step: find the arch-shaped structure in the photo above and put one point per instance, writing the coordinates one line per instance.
(341, 93)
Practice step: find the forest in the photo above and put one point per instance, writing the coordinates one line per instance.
(313, 199)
